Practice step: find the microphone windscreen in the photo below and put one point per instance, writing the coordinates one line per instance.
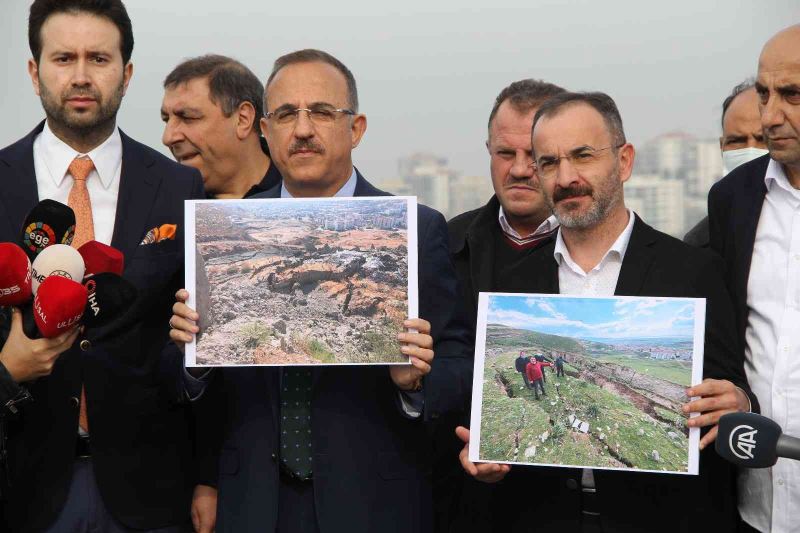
(99, 257)
(748, 440)
(58, 305)
(48, 223)
(15, 275)
(109, 296)
(57, 260)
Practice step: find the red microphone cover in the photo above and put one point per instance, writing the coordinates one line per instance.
(58, 305)
(15, 275)
(99, 257)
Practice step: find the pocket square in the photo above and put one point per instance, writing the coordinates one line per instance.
(164, 232)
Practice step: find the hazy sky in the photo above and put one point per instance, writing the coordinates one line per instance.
(428, 71)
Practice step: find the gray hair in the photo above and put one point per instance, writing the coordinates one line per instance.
(524, 95)
(600, 102)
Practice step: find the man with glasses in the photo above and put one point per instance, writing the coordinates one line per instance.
(364, 452)
(604, 249)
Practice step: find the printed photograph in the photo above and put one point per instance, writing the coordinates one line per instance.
(586, 382)
(301, 281)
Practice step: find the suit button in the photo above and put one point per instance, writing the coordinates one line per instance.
(274, 457)
(572, 484)
(85, 345)
(75, 401)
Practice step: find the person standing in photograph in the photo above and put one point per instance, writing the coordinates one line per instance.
(535, 372)
(560, 365)
(520, 364)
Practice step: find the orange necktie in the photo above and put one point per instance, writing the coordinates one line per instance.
(79, 201)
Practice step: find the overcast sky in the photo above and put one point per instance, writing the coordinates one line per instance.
(428, 71)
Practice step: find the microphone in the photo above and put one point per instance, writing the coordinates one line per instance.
(754, 441)
(57, 260)
(48, 223)
(109, 296)
(99, 257)
(58, 305)
(15, 275)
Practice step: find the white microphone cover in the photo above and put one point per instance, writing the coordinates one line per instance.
(57, 260)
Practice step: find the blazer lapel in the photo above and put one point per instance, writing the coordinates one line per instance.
(138, 189)
(479, 237)
(18, 192)
(638, 258)
(749, 205)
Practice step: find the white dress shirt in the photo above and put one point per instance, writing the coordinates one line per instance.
(549, 224)
(769, 499)
(51, 159)
(600, 281)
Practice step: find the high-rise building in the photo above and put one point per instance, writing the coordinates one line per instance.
(468, 193)
(659, 201)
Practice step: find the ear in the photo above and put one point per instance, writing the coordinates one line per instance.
(127, 72)
(487, 147)
(33, 71)
(721, 144)
(357, 129)
(245, 120)
(626, 156)
(264, 128)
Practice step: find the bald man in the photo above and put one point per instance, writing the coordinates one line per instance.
(742, 140)
(754, 220)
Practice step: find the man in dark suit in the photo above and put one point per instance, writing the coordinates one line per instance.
(742, 140)
(368, 464)
(753, 223)
(602, 249)
(119, 457)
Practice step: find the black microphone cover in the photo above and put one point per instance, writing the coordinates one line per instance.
(110, 295)
(50, 222)
(748, 440)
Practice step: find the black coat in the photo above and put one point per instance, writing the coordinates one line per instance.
(140, 431)
(655, 264)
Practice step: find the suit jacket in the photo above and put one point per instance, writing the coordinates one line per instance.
(371, 463)
(141, 450)
(698, 235)
(734, 208)
(655, 264)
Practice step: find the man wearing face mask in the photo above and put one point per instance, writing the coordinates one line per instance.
(742, 140)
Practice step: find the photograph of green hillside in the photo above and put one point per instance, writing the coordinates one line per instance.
(586, 382)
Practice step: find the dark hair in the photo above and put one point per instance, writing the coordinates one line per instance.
(524, 95)
(113, 10)
(310, 55)
(600, 102)
(746, 85)
(229, 82)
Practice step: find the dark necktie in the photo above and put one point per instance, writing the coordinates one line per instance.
(296, 449)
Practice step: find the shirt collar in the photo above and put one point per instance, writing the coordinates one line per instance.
(548, 225)
(347, 190)
(57, 156)
(776, 176)
(618, 249)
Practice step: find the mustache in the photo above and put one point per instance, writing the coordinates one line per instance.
(523, 182)
(81, 93)
(573, 191)
(307, 145)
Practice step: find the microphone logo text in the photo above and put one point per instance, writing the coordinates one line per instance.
(742, 441)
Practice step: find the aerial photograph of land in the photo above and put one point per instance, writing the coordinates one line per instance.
(301, 282)
(590, 382)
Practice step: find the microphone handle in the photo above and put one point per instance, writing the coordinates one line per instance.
(788, 447)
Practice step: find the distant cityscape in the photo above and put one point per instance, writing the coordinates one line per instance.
(668, 189)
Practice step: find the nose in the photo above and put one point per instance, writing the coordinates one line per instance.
(771, 112)
(566, 172)
(303, 127)
(522, 167)
(80, 74)
(172, 133)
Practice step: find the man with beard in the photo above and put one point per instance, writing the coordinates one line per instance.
(754, 222)
(95, 434)
(211, 111)
(603, 249)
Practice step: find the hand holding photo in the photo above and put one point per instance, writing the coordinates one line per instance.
(586, 382)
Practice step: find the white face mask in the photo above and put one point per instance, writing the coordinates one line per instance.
(733, 158)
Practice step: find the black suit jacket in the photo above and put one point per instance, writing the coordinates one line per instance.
(141, 446)
(655, 264)
(371, 463)
(698, 235)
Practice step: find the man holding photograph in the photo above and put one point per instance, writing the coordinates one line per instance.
(367, 464)
(603, 249)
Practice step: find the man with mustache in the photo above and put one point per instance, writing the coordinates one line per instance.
(211, 111)
(361, 460)
(105, 444)
(754, 224)
(602, 248)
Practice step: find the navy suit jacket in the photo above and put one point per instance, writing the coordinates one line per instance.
(140, 432)
(655, 264)
(371, 463)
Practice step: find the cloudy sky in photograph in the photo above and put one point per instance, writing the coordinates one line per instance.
(428, 72)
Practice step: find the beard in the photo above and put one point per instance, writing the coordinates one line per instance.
(604, 198)
(82, 123)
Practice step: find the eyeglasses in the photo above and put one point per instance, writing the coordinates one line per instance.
(321, 114)
(580, 158)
